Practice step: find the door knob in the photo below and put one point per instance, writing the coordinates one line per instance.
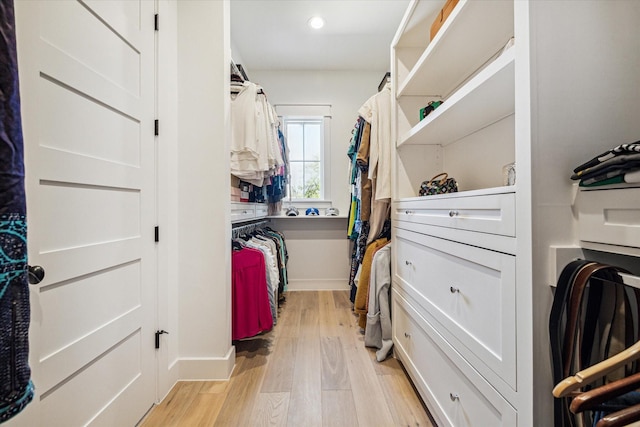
(36, 274)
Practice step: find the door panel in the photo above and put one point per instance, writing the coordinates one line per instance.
(93, 43)
(70, 118)
(87, 85)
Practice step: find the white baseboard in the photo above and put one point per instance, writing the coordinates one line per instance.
(318, 285)
(208, 369)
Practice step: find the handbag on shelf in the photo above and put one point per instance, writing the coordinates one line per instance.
(439, 184)
(432, 105)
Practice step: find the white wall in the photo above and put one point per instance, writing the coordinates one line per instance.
(204, 256)
(319, 254)
(168, 219)
(592, 63)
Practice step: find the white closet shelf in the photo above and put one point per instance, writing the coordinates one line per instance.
(312, 217)
(414, 28)
(464, 194)
(462, 45)
(484, 100)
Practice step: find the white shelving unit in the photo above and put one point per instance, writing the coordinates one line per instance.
(454, 256)
(467, 66)
(528, 104)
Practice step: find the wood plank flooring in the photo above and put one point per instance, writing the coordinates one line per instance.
(312, 369)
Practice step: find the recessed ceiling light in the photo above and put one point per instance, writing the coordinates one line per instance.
(316, 22)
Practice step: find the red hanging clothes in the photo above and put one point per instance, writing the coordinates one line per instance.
(251, 312)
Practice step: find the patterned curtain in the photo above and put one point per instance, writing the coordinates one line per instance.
(16, 389)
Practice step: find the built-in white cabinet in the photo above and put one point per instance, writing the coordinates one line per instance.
(241, 211)
(457, 394)
(467, 291)
(609, 217)
(454, 264)
(470, 292)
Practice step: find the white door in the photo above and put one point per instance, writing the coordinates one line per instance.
(87, 85)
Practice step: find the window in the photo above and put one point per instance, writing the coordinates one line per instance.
(305, 138)
(307, 128)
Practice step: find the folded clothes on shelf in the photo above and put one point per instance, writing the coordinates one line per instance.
(619, 165)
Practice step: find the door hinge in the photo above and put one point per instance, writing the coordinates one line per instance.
(158, 333)
(156, 24)
(156, 233)
(156, 127)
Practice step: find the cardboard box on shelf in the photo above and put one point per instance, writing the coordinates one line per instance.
(442, 16)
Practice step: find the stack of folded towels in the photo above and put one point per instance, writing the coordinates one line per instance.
(616, 166)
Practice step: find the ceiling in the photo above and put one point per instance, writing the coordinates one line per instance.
(274, 35)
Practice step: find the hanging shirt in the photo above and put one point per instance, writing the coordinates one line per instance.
(249, 147)
(377, 111)
(251, 311)
(269, 276)
(378, 332)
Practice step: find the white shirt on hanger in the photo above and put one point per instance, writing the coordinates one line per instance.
(377, 111)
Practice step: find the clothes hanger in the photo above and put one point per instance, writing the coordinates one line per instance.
(597, 371)
(621, 418)
(236, 245)
(587, 400)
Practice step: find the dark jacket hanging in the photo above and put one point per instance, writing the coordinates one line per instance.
(16, 389)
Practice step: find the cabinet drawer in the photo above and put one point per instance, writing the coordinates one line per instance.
(493, 213)
(455, 393)
(470, 291)
(242, 212)
(610, 216)
(262, 210)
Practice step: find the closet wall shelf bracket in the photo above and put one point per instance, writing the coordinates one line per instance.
(559, 257)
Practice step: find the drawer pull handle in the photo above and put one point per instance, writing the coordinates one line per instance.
(453, 213)
(407, 262)
(454, 397)
(454, 290)
(407, 335)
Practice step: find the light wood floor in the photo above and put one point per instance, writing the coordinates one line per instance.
(311, 370)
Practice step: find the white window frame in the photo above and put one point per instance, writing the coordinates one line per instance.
(313, 112)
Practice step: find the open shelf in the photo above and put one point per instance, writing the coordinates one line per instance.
(484, 100)
(463, 44)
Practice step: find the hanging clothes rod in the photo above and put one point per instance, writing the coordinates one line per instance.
(385, 79)
(248, 227)
(242, 71)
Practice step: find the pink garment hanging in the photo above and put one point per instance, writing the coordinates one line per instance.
(251, 312)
